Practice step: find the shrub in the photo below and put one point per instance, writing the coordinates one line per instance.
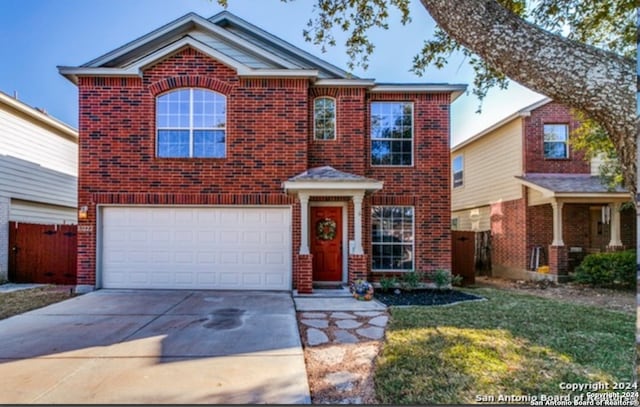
(411, 280)
(387, 283)
(441, 278)
(608, 269)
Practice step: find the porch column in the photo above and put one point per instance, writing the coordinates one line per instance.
(557, 223)
(304, 223)
(615, 241)
(357, 223)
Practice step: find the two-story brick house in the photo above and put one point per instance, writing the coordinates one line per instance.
(522, 180)
(216, 155)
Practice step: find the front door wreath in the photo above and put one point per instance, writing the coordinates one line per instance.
(326, 229)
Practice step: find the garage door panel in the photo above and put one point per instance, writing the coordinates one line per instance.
(206, 248)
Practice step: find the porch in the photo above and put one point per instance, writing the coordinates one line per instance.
(571, 216)
(330, 230)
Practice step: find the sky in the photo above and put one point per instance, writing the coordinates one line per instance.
(36, 36)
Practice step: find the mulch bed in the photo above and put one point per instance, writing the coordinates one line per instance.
(423, 297)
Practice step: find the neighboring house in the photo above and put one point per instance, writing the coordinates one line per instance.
(522, 180)
(216, 155)
(38, 170)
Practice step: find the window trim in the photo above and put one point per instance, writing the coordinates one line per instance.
(191, 127)
(413, 241)
(453, 172)
(566, 142)
(413, 136)
(335, 119)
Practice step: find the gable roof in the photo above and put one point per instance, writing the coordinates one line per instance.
(524, 112)
(242, 46)
(246, 48)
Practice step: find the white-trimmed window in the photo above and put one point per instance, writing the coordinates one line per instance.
(392, 133)
(457, 169)
(191, 122)
(556, 141)
(324, 118)
(392, 229)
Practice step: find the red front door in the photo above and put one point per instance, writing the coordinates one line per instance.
(326, 242)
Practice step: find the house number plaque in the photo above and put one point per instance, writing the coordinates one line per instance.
(85, 228)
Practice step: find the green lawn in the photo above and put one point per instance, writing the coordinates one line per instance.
(512, 344)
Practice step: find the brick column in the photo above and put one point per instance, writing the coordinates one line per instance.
(558, 260)
(357, 267)
(305, 273)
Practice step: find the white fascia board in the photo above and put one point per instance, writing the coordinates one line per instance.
(455, 90)
(198, 22)
(39, 116)
(72, 72)
(599, 196)
(350, 83)
(331, 187)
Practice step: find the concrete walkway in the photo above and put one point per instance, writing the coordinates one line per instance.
(153, 347)
(334, 300)
(342, 338)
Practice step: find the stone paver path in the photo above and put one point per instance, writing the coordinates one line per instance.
(340, 351)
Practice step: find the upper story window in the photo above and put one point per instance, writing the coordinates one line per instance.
(556, 141)
(457, 167)
(324, 118)
(392, 133)
(191, 122)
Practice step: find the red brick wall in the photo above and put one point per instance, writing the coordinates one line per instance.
(509, 234)
(539, 227)
(575, 226)
(269, 140)
(534, 161)
(426, 184)
(345, 153)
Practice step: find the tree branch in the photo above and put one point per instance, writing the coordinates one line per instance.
(597, 82)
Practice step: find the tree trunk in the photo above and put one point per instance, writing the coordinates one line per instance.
(599, 83)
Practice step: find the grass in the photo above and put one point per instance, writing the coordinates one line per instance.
(512, 344)
(17, 302)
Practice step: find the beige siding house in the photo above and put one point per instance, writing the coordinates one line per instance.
(487, 181)
(526, 185)
(38, 170)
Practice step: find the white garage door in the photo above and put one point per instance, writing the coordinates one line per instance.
(196, 248)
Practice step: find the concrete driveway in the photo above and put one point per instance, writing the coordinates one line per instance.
(151, 347)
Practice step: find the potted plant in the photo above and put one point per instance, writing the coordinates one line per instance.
(362, 290)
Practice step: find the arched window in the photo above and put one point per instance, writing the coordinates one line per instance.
(324, 118)
(191, 122)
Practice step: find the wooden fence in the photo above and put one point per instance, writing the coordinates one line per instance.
(42, 253)
(470, 254)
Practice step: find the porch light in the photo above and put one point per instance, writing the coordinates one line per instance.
(83, 212)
